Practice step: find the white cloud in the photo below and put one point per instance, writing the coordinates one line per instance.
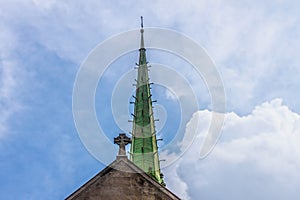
(257, 157)
(7, 102)
(10, 78)
(251, 42)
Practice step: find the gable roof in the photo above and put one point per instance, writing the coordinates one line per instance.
(120, 168)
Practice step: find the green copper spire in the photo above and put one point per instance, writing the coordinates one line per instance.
(144, 151)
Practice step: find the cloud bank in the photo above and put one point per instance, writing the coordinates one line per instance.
(257, 157)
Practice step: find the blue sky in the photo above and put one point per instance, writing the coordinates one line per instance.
(254, 45)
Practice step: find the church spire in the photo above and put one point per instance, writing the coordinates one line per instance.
(144, 150)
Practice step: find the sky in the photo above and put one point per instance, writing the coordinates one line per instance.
(253, 44)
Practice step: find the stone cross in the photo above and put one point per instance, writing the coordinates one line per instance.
(122, 140)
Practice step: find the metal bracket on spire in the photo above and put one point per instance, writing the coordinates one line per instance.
(160, 139)
(154, 101)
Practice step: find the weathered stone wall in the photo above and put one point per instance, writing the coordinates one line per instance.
(115, 185)
(120, 185)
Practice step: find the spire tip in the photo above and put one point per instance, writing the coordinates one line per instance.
(142, 23)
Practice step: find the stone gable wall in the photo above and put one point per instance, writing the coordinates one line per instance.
(117, 185)
(122, 183)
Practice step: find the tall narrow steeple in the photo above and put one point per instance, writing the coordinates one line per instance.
(144, 151)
